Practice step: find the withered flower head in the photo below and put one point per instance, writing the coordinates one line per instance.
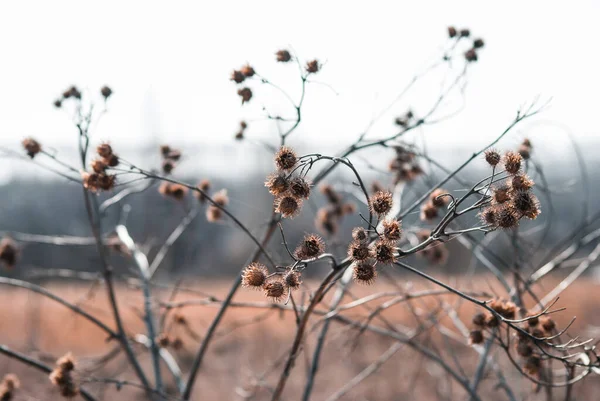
(255, 275)
(478, 43)
(384, 252)
(221, 198)
(533, 365)
(106, 182)
(492, 157)
(500, 194)
(213, 214)
(312, 66)
(94, 181)
(488, 216)
(99, 166)
(392, 230)
(277, 183)
(479, 319)
(58, 103)
(104, 150)
(106, 91)
(275, 289)
(471, 55)
(524, 348)
(548, 324)
(9, 384)
(112, 160)
(437, 199)
(292, 280)
(428, 212)
(176, 191)
(526, 203)
(32, 147)
(331, 195)
(165, 150)
(325, 221)
(285, 158)
(299, 187)
(452, 31)
(237, 76)
(203, 186)
(66, 363)
(381, 203)
(245, 93)
(283, 56)
(465, 33)
(248, 71)
(359, 234)
(311, 246)
(9, 252)
(168, 166)
(288, 206)
(506, 217)
(364, 272)
(476, 337)
(525, 152)
(506, 309)
(72, 92)
(512, 162)
(359, 251)
(520, 182)
(239, 135)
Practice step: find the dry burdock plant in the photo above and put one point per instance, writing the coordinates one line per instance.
(360, 236)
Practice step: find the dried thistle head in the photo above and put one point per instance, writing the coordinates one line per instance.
(288, 206)
(526, 203)
(221, 198)
(106, 182)
(491, 321)
(164, 150)
(213, 214)
(471, 55)
(488, 216)
(173, 190)
(245, 93)
(275, 289)
(311, 246)
(384, 252)
(99, 166)
(359, 251)
(112, 160)
(326, 221)
(520, 182)
(548, 324)
(392, 230)
(277, 184)
(512, 162)
(104, 150)
(177, 343)
(312, 67)
(331, 195)
(283, 56)
(428, 211)
(57, 103)
(500, 194)
(476, 337)
(72, 92)
(255, 275)
(9, 252)
(204, 187)
(105, 91)
(66, 363)
(168, 166)
(364, 272)
(479, 319)
(506, 309)
(525, 152)
(437, 199)
(452, 32)
(247, 71)
(381, 203)
(237, 76)
(292, 280)
(32, 147)
(300, 188)
(359, 234)
(286, 159)
(464, 33)
(478, 43)
(506, 217)
(524, 349)
(492, 157)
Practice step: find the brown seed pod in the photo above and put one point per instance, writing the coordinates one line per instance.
(500, 194)
(479, 319)
(168, 166)
(533, 365)
(288, 206)
(384, 252)
(213, 214)
(285, 159)
(488, 216)
(492, 157)
(478, 43)
(471, 55)
(526, 203)
(359, 234)
(452, 31)
(465, 33)
(245, 93)
(237, 76)
(292, 280)
(221, 198)
(247, 71)
(512, 162)
(507, 218)
(520, 182)
(311, 246)
(437, 199)
(203, 186)
(326, 221)
(428, 212)
(381, 203)
(66, 363)
(112, 160)
(299, 187)
(255, 275)
(548, 324)
(32, 147)
(277, 184)
(312, 67)
(99, 166)
(275, 289)
(525, 152)
(283, 56)
(359, 251)
(491, 321)
(476, 337)
(364, 272)
(392, 230)
(105, 91)
(104, 150)
(524, 349)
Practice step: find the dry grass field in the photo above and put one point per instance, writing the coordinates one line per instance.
(240, 362)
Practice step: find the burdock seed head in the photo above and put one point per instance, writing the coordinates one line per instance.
(300, 188)
(364, 272)
(492, 157)
(275, 289)
(288, 206)
(254, 276)
(381, 203)
(311, 246)
(277, 183)
(285, 159)
(512, 162)
(392, 230)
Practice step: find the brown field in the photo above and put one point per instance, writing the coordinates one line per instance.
(239, 364)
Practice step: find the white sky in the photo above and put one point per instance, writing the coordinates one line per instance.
(169, 64)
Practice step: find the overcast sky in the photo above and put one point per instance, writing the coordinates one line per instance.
(169, 64)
